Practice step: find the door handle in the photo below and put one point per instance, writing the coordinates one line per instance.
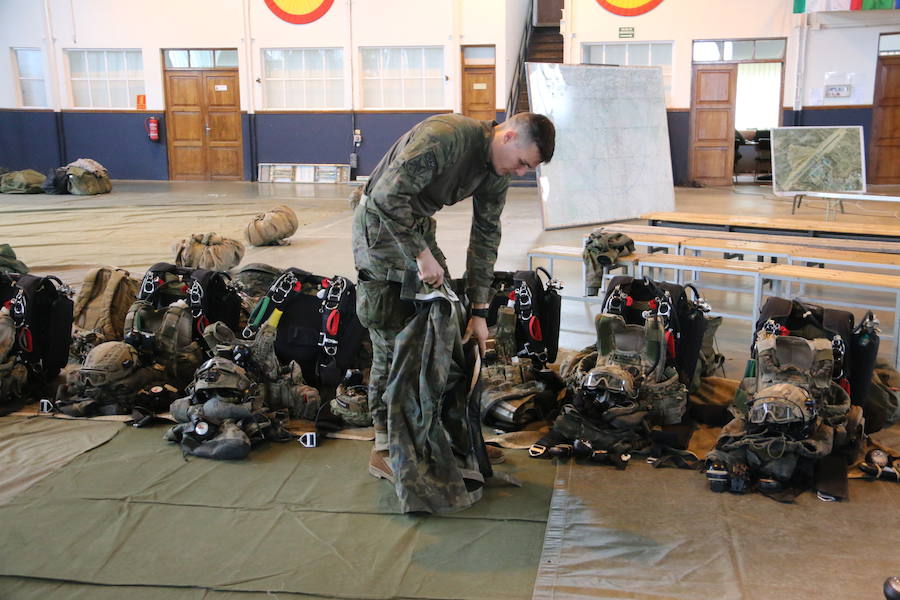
(207, 127)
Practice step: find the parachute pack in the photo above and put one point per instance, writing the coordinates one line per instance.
(316, 322)
(41, 311)
(689, 331)
(537, 308)
(100, 308)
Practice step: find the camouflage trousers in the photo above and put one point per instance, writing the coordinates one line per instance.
(417, 386)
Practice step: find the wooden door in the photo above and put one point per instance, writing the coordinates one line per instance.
(711, 150)
(547, 13)
(203, 125)
(884, 153)
(479, 92)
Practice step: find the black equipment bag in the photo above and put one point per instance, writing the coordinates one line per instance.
(684, 318)
(318, 326)
(42, 313)
(537, 306)
(57, 181)
(208, 293)
(855, 348)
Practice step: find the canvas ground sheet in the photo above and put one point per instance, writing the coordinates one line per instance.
(134, 519)
(647, 533)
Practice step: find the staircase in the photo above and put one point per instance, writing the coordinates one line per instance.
(545, 45)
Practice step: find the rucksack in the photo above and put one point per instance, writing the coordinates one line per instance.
(255, 279)
(855, 347)
(28, 181)
(684, 318)
(271, 227)
(82, 182)
(537, 307)
(317, 324)
(42, 313)
(101, 306)
(208, 251)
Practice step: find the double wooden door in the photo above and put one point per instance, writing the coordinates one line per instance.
(203, 124)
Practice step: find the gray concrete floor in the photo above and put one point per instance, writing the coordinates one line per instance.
(137, 223)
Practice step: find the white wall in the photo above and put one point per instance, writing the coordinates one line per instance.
(852, 51)
(679, 21)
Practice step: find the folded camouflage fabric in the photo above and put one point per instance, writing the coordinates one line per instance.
(601, 250)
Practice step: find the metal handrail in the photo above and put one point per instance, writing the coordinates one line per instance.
(520, 64)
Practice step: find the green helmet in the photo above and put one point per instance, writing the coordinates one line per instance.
(351, 403)
(107, 364)
(220, 374)
(782, 408)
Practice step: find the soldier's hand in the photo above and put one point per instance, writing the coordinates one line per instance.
(430, 270)
(477, 327)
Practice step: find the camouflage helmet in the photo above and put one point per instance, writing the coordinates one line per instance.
(108, 363)
(782, 408)
(351, 403)
(221, 374)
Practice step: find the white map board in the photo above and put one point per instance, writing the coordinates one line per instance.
(612, 158)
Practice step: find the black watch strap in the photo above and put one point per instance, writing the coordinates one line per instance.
(480, 312)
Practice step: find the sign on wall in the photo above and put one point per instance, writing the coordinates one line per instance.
(629, 8)
(299, 12)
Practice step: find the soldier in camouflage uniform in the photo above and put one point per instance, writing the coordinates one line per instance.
(403, 298)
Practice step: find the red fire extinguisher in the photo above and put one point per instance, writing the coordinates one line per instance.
(151, 124)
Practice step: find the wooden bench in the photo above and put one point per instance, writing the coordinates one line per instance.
(632, 228)
(755, 224)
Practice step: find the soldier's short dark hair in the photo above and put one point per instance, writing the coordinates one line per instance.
(539, 129)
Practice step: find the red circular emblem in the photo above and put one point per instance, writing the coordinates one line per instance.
(629, 8)
(299, 12)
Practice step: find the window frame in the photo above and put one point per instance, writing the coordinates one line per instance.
(668, 78)
(753, 59)
(20, 93)
(68, 52)
(442, 78)
(341, 106)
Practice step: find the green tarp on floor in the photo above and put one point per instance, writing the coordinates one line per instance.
(134, 515)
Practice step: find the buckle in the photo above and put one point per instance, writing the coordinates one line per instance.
(282, 287)
(309, 439)
(147, 285)
(333, 294)
(46, 406)
(328, 344)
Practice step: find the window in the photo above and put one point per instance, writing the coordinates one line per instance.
(758, 88)
(655, 54)
(889, 44)
(30, 72)
(403, 77)
(200, 59)
(737, 50)
(106, 78)
(303, 77)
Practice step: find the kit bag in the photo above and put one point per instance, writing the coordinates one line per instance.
(42, 313)
(28, 181)
(103, 301)
(82, 182)
(684, 317)
(317, 325)
(255, 279)
(536, 302)
(271, 227)
(208, 251)
(855, 346)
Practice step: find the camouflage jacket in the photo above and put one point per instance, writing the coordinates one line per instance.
(437, 163)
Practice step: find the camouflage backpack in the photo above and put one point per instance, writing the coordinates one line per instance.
(100, 308)
(208, 251)
(13, 373)
(602, 249)
(82, 182)
(28, 181)
(270, 228)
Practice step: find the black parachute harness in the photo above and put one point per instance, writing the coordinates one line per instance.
(526, 319)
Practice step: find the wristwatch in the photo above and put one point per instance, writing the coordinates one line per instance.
(480, 312)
